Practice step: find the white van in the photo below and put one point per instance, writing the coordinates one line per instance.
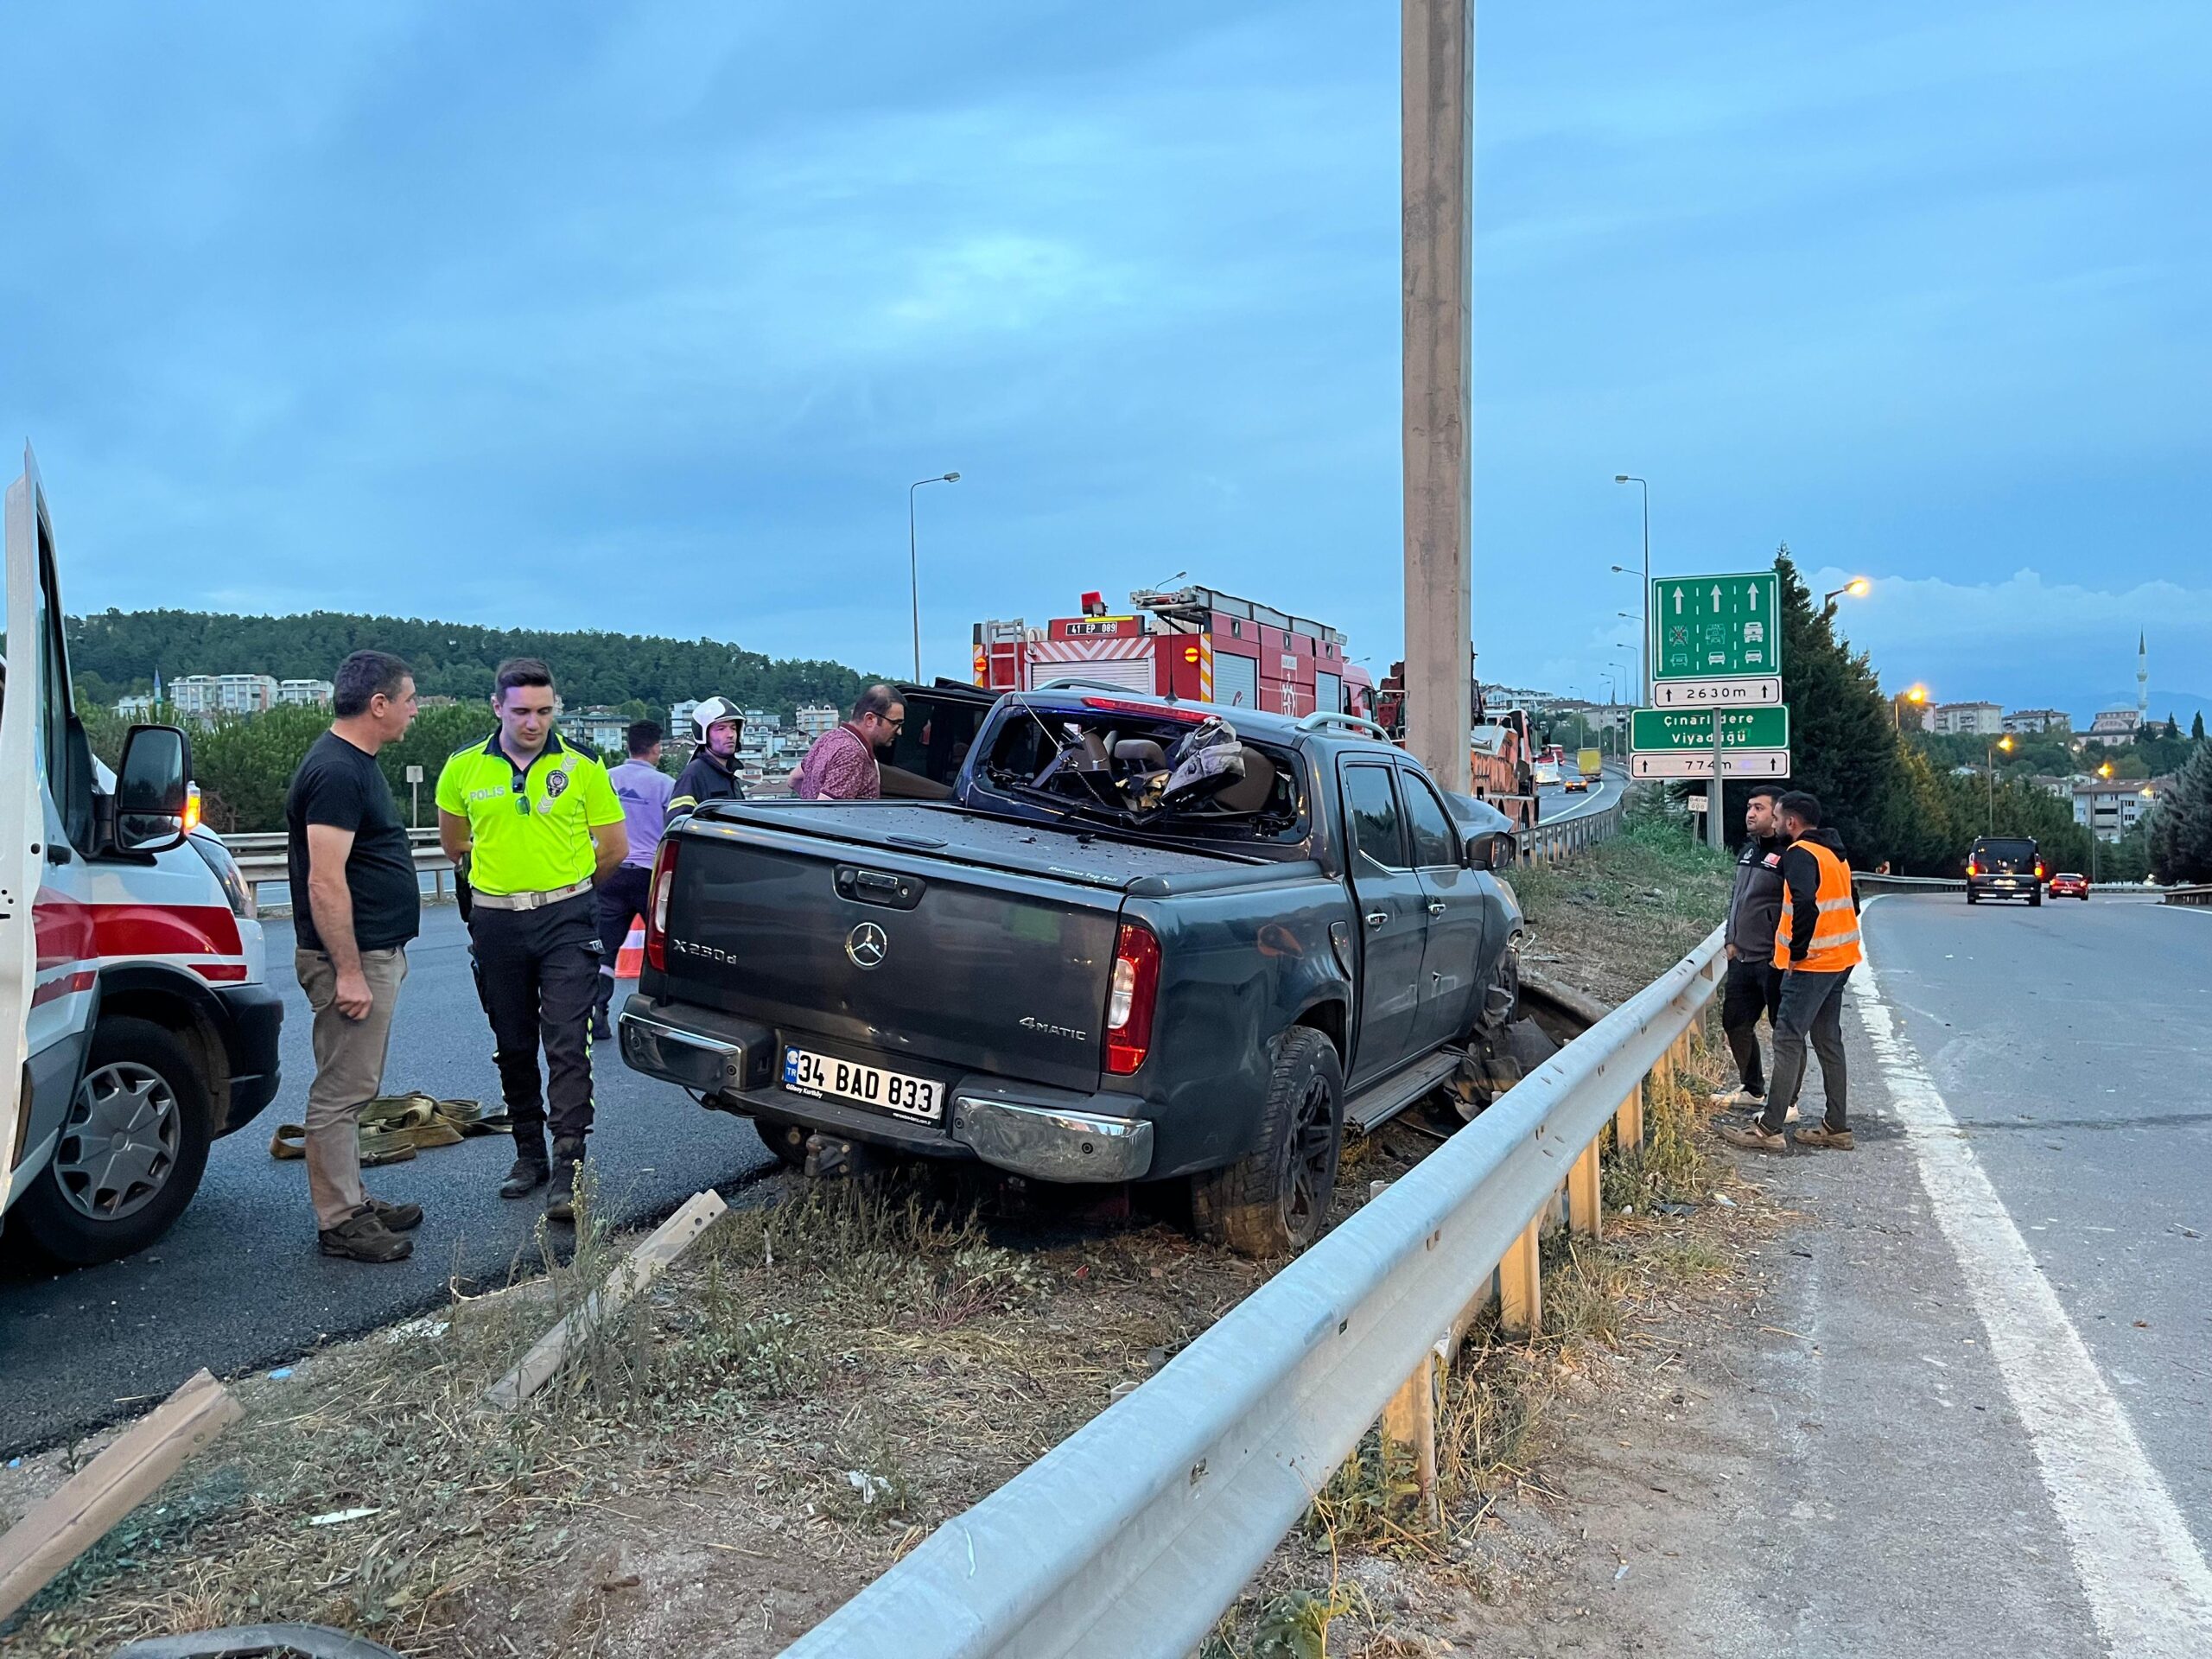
(136, 1022)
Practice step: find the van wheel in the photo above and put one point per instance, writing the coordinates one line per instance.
(2035, 900)
(1970, 897)
(787, 1140)
(130, 1152)
(1276, 1198)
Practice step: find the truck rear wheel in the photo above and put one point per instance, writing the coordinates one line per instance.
(1276, 1198)
(130, 1152)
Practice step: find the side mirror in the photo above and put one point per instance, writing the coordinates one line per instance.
(1489, 852)
(155, 806)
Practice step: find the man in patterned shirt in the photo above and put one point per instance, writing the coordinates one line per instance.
(841, 765)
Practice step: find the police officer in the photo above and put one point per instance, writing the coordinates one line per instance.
(711, 773)
(538, 825)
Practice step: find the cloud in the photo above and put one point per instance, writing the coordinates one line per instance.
(2027, 641)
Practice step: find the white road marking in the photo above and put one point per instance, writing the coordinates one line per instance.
(2146, 1582)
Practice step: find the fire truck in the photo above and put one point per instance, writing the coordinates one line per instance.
(1191, 642)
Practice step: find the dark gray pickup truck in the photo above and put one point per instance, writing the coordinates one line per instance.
(1143, 941)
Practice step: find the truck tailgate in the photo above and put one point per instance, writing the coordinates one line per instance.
(987, 956)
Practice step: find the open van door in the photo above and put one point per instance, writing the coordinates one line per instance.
(24, 699)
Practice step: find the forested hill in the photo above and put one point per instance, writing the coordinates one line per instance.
(116, 652)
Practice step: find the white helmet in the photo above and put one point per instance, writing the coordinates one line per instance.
(713, 712)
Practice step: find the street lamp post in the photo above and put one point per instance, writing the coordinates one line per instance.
(913, 562)
(2006, 744)
(1915, 696)
(1629, 478)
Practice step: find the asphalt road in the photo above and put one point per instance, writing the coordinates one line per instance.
(1557, 804)
(238, 1284)
(2074, 1045)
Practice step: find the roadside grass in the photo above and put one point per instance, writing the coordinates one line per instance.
(818, 1381)
(1619, 915)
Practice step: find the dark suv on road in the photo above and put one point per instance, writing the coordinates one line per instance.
(2003, 866)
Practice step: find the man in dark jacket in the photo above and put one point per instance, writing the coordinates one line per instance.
(711, 773)
(1753, 984)
(1816, 946)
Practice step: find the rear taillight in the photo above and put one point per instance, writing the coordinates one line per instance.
(1972, 870)
(657, 911)
(1130, 1003)
(2038, 872)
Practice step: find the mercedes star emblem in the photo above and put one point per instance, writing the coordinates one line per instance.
(867, 945)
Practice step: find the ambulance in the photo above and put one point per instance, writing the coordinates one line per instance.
(136, 1021)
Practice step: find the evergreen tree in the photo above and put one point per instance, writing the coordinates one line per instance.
(2196, 727)
(2181, 826)
(1843, 746)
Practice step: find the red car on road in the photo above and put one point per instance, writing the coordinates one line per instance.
(2069, 885)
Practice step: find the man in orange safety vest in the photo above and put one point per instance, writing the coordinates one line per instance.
(1815, 948)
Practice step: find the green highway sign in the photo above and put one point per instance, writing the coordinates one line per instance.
(1715, 627)
(1661, 730)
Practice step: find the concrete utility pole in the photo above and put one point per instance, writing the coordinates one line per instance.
(1437, 112)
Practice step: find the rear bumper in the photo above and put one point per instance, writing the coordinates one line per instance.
(1050, 1134)
(2003, 886)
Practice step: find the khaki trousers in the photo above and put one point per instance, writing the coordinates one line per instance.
(348, 1074)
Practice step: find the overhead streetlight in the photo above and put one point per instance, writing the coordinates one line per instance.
(1630, 478)
(1857, 587)
(1917, 695)
(913, 562)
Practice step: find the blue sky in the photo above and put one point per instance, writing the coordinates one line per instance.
(644, 317)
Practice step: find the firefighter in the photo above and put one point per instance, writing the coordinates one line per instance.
(538, 825)
(711, 773)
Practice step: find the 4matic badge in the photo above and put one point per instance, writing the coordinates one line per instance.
(1044, 1027)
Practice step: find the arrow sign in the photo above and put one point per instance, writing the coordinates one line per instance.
(1719, 627)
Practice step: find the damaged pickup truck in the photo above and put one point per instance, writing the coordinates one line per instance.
(1144, 941)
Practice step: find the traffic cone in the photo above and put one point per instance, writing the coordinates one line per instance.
(630, 960)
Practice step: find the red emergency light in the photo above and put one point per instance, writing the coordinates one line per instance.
(1094, 604)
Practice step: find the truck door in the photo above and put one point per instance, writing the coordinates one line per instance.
(1461, 911)
(41, 1024)
(1393, 909)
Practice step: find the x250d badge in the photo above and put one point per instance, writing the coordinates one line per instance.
(867, 945)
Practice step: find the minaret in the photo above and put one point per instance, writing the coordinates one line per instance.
(2142, 678)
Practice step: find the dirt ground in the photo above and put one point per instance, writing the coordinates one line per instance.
(835, 1370)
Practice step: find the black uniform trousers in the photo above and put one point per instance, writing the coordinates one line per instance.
(620, 896)
(538, 972)
(1749, 988)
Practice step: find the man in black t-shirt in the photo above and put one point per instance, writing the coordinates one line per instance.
(355, 905)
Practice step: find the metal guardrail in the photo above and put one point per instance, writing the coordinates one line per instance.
(1868, 886)
(1547, 843)
(2197, 894)
(260, 859)
(1131, 1536)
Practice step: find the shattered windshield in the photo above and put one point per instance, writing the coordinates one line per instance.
(1175, 774)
